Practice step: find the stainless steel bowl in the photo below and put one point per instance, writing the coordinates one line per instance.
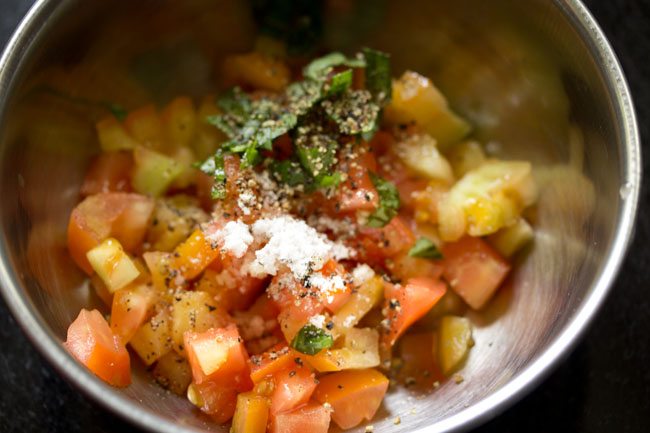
(537, 78)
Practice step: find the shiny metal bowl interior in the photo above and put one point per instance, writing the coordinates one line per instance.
(533, 76)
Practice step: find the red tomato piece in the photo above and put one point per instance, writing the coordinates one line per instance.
(377, 244)
(354, 395)
(311, 418)
(474, 270)
(221, 352)
(407, 303)
(108, 172)
(91, 341)
(358, 193)
(124, 216)
(294, 386)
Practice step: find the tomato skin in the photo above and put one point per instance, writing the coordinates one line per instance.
(407, 303)
(311, 418)
(474, 270)
(124, 216)
(108, 172)
(354, 395)
(92, 343)
(294, 386)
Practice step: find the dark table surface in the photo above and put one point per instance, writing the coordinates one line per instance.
(604, 386)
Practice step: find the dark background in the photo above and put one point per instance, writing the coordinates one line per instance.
(604, 386)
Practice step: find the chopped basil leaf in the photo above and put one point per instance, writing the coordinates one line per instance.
(289, 172)
(214, 166)
(310, 340)
(425, 249)
(316, 150)
(328, 180)
(319, 69)
(236, 103)
(378, 75)
(388, 202)
(340, 82)
(353, 112)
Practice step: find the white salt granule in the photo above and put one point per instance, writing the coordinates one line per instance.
(235, 238)
(291, 243)
(317, 320)
(328, 286)
(362, 273)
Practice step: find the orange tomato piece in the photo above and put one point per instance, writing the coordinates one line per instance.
(354, 395)
(474, 270)
(311, 418)
(409, 302)
(214, 399)
(108, 172)
(251, 414)
(192, 256)
(130, 308)
(91, 341)
(124, 216)
(257, 71)
(180, 122)
(294, 385)
(278, 357)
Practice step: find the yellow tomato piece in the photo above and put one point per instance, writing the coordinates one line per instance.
(153, 339)
(113, 136)
(454, 342)
(112, 264)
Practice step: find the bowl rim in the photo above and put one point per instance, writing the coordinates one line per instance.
(35, 328)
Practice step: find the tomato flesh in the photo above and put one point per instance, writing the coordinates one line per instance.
(294, 386)
(91, 341)
(409, 302)
(474, 270)
(311, 418)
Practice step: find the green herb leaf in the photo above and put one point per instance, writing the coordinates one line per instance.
(425, 249)
(354, 112)
(319, 69)
(388, 202)
(339, 83)
(378, 75)
(310, 340)
(214, 166)
(290, 173)
(328, 180)
(316, 150)
(236, 103)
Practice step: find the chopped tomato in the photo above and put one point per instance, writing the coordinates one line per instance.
(214, 399)
(354, 395)
(123, 216)
(192, 256)
(232, 286)
(108, 172)
(419, 356)
(311, 418)
(272, 361)
(337, 297)
(409, 302)
(474, 270)
(358, 193)
(251, 414)
(377, 244)
(218, 355)
(130, 308)
(91, 341)
(403, 266)
(294, 385)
